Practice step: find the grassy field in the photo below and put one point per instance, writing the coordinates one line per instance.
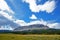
(28, 37)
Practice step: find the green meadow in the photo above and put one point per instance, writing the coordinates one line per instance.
(28, 37)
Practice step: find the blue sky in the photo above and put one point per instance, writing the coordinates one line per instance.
(25, 11)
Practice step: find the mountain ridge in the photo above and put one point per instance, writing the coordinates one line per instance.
(35, 26)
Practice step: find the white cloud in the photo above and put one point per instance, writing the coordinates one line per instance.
(47, 23)
(38, 22)
(6, 11)
(10, 17)
(4, 6)
(48, 6)
(5, 28)
(20, 22)
(33, 17)
(54, 25)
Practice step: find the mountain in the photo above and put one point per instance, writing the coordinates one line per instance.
(5, 31)
(31, 27)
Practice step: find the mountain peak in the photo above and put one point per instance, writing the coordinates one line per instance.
(30, 27)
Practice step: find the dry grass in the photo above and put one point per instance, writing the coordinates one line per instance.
(28, 37)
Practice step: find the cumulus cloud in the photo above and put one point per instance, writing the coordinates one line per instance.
(5, 10)
(6, 27)
(47, 23)
(48, 6)
(7, 13)
(33, 17)
(20, 22)
(54, 25)
(4, 6)
(10, 17)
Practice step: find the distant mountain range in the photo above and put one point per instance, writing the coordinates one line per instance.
(4, 21)
(31, 27)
